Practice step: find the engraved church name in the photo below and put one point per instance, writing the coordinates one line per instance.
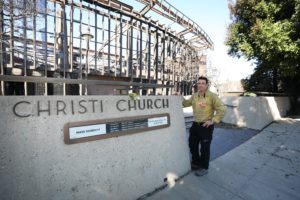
(39, 108)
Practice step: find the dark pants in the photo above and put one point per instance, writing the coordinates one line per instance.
(202, 135)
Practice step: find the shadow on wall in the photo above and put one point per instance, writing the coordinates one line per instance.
(254, 112)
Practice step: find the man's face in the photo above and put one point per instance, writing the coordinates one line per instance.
(202, 85)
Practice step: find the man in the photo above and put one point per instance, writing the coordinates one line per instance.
(207, 110)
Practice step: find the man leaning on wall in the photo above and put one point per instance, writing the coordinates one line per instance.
(208, 110)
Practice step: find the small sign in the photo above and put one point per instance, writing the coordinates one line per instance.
(157, 121)
(84, 131)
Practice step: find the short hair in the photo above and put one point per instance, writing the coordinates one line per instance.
(203, 78)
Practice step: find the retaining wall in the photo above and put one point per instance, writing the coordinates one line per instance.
(39, 162)
(255, 112)
(250, 112)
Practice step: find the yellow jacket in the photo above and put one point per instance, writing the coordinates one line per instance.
(206, 107)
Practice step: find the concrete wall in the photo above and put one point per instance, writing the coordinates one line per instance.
(255, 112)
(35, 163)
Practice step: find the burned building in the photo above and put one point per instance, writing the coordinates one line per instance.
(84, 47)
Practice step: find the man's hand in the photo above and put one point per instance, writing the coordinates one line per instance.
(208, 123)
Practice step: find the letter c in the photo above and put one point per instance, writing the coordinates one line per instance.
(15, 106)
(118, 106)
(155, 103)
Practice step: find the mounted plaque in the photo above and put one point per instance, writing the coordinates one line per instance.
(84, 131)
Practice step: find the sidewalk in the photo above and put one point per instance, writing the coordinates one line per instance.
(266, 167)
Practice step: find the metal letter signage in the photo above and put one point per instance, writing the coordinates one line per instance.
(84, 131)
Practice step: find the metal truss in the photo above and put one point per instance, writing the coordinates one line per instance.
(97, 42)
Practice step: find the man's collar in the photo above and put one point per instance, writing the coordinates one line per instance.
(204, 94)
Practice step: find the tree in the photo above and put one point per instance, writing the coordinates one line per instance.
(19, 13)
(267, 31)
(19, 8)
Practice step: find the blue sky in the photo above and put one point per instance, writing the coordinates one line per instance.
(213, 17)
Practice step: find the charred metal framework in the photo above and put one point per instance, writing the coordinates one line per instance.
(77, 47)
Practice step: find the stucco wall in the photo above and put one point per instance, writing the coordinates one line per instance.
(251, 112)
(37, 164)
(254, 112)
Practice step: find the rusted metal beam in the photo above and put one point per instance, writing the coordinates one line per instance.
(32, 79)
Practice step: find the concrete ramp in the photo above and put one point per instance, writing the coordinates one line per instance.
(92, 147)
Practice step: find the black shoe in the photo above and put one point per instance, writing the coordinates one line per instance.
(195, 166)
(201, 172)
